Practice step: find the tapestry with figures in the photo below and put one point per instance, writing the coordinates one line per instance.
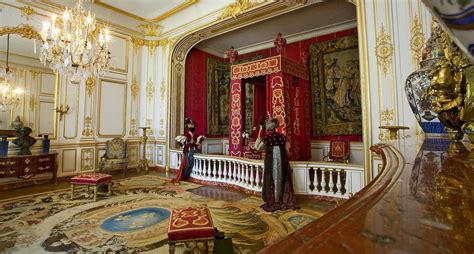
(218, 94)
(335, 87)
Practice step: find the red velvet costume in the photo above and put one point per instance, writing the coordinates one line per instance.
(190, 146)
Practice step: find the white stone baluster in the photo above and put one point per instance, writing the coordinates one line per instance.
(323, 179)
(257, 177)
(251, 182)
(219, 169)
(200, 167)
(233, 171)
(246, 179)
(331, 182)
(214, 169)
(225, 170)
(339, 180)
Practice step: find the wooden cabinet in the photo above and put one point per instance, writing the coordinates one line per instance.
(28, 167)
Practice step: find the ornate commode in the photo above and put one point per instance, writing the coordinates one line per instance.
(15, 169)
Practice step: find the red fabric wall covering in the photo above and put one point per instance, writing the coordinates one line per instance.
(195, 102)
(195, 105)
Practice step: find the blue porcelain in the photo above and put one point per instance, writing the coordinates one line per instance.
(418, 82)
(46, 142)
(135, 219)
(457, 17)
(4, 146)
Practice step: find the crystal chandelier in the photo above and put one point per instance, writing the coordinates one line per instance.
(9, 96)
(74, 45)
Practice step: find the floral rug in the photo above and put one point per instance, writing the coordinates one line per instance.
(134, 219)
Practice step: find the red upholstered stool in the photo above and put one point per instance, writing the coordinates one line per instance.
(191, 224)
(91, 179)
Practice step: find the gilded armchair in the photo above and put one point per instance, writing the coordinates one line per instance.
(115, 156)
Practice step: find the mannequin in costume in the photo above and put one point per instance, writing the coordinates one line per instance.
(191, 144)
(277, 191)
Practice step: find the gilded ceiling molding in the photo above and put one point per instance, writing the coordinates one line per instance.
(27, 12)
(417, 40)
(150, 29)
(156, 19)
(384, 49)
(24, 30)
(239, 7)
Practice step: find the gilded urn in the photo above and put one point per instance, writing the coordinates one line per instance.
(417, 84)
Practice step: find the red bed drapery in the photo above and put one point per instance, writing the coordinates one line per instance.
(287, 99)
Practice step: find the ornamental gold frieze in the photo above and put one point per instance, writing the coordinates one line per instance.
(237, 8)
(150, 29)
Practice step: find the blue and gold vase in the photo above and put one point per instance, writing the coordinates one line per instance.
(418, 82)
(3, 146)
(46, 142)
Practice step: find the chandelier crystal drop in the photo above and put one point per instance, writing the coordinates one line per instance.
(9, 95)
(74, 45)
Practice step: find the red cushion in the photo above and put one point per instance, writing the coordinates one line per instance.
(339, 149)
(91, 178)
(190, 223)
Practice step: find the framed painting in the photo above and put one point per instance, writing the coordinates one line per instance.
(335, 87)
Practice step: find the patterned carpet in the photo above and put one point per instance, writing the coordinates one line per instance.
(135, 219)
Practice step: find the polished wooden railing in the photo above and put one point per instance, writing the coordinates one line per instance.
(309, 178)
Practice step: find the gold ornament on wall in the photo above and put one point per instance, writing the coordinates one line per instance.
(133, 127)
(27, 12)
(134, 88)
(386, 119)
(384, 49)
(90, 85)
(150, 90)
(88, 131)
(417, 40)
(150, 29)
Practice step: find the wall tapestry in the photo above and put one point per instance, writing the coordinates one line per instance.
(218, 94)
(335, 87)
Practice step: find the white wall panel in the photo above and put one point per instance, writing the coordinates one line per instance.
(112, 108)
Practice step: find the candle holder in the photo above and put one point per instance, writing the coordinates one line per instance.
(143, 164)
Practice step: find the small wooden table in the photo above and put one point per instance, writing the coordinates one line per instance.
(191, 224)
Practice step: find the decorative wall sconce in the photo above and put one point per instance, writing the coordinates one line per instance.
(61, 110)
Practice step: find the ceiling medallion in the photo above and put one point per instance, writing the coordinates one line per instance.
(74, 45)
